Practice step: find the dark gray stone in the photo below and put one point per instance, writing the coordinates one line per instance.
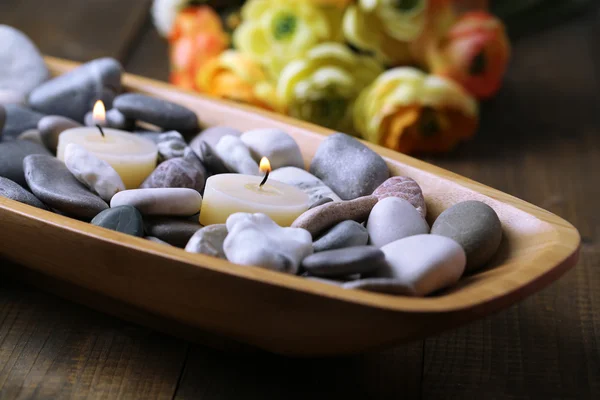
(2, 118)
(51, 127)
(32, 135)
(12, 155)
(14, 191)
(22, 67)
(211, 159)
(177, 173)
(162, 113)
(18, 120)
(320, 202)
(348, 167)
(124, 219)
(475, 226)
(208, 240)
(212, 136)
(345, 234)
(114, 119)
(175, 231)
(51, 181)
(343, 262)
(74, 93)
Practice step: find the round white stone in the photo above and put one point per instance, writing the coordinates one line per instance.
(279, 147)
(394, 218)
(160, 201)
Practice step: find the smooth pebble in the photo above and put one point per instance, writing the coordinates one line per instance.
(209, 240)
(114, 119)
(32, 135)
(18, 120)
(175, 231)
(212, 136)
(343, 262)
(348, 167)
(171, 145)
(51, 182)
(8, 96)
(96, 174)
(405, 188)
(16, 192)
(305, 181)
(177, 173)
(236, 155)
(157, 240)
(124, 219)
(279, 147)
(318, 219)
(255, 239)
(214, 164)
(51, 126)
(12, 155)
(394, 218)
(161, 201)
(475, 226)
(345, 234)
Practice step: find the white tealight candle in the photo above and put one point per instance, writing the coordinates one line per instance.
(133, 157)
(226, 194)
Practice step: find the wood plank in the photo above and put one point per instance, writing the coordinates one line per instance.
(75, 29)
(52, 348)
(540, 141)
(150, 56)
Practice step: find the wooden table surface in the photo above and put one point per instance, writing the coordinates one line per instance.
(539, 140)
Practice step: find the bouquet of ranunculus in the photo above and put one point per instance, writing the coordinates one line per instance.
(401, 73)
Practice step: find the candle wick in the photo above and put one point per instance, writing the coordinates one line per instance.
(101, 131)
(264, 180)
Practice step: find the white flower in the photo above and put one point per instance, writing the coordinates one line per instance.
(164, 13)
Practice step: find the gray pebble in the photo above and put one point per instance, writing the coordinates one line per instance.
(236, 156)
(475, 226)
(12, 155)
(175, 231)
(209, 240)
(344, 234)
(305, 181)
(177, 173)
(114, 119)
(320, 202)
(342, 262)
(73, 94)
(394, 218)
(171, 145)
(51, 181)
(212, 136)
(8, 96)
(124, 219)
(22, 67)
(51, 127)
(32, 135)
(211, 159)
(18, 120)
(2, 117)
(279, 147)
(348, 167)
(162, 113)
(14, 191)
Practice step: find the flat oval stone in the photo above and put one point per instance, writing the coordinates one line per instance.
(32, 135)
(177, 173)
(214, 164)
(114, 119)
(318, 219)
(51, 126)
(175, 231)
(344, 234)
(236, 156)
(405, 188)
(416, 266)
(209, 240)
(342, 262)
(348, 167)
(73, 94)
(212, 136)
(8, 96)
(162, 113)
(475, 226)
(124, 219)
(96, 174)
(162, 201)
(18, 120)
(12, 155)
(51, 181)
(14, 191)
(22, 67)
(305, 181)
(279, 147)
(394, 218)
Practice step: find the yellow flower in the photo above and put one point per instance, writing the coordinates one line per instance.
(331, 3)
(234, 76)
(365, 30)
(274, 32)
(322, 86)
(401, 19)
(412, 112)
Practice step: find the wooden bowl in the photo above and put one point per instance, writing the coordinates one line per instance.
(191, 294)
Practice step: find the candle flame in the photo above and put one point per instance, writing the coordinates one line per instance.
(265, 165)
(99, 113)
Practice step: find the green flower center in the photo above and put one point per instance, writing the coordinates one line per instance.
(429, 124)
(284, 26)
(405, 5)
(478, 64)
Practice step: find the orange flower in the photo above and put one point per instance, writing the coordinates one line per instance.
(197, 37)
(235, 76)
(474, 53)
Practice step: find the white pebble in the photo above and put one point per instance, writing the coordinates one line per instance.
(305, 181)
(236, 156)
(160, 201)
(392, 219)
(279, 147)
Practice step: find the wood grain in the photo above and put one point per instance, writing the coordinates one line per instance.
(79, 30)
(541, 142)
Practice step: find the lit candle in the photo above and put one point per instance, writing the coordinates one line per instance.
(226, 194)
(133, 157)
